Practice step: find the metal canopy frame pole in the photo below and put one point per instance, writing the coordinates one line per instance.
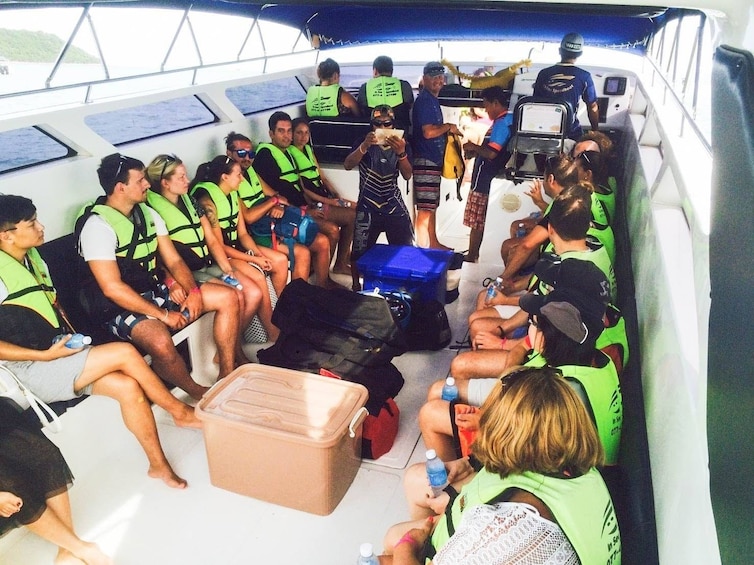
(67, 46)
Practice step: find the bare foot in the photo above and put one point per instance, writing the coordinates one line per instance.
(168, 476)
(341, 269)
(199, 392)
(186, 418)
(65, 557)
(92, 555)
(439, 245)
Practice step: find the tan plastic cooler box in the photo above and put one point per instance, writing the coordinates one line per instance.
(284, 436)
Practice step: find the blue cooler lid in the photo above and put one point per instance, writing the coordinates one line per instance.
(404, 262)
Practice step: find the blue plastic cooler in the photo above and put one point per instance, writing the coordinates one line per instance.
(420, 272)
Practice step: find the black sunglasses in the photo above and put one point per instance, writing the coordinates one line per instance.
(243, 153)
(121, 161)
(168, 159)
(385, 124)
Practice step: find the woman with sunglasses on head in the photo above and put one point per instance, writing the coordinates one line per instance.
(215, 187)
(193, 237)
(340, 214)
(380, 207)
(531, 494)
(605, 185)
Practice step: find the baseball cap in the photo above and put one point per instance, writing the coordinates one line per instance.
(569, 320)
(434, 68)
(382, 113)
(572, 43)
(575, 281)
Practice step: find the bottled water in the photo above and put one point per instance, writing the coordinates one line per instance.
(521, 230)
(449, 389)
(77, 341)
(366, 555)
(436, 473)
(232, 281)
(495, 287)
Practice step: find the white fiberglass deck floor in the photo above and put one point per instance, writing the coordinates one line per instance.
(140, 521)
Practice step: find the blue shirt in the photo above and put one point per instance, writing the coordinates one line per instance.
(568, 83)
(427, 111)
(486, 169)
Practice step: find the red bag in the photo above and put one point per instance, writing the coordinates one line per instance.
(379, 431)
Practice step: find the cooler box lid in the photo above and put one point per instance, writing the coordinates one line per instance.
(404, 262)
(296, 406)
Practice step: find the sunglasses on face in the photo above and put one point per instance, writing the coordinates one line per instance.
(244, 153)
(385, 124)
(168, 159)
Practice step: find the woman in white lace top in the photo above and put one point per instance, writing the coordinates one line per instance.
(538, 498)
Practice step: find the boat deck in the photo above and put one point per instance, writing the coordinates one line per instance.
(140, 521)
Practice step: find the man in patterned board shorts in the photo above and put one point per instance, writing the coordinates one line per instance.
(430, 136)
(490, 159)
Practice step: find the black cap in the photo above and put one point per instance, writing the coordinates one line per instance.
(577, 282)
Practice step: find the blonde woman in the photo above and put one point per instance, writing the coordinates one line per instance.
(537, 496)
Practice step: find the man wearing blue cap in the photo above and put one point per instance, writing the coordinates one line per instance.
(568, 83)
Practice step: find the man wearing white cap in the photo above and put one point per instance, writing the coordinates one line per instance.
(569, 83)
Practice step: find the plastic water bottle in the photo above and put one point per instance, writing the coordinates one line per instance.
(493, 289)
(521, 230)
(366, 555)
(535, 215)
(232, 281)
(449, 389)
(436, 473)
(77, 341)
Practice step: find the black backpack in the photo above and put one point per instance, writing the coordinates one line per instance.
(348, 334)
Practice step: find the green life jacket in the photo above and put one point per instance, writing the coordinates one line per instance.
(602, 388)
(284, 162)
(306, 164)
(600, 228)
(606, 195)
(182, 228)
(581, 505)
(614, 336)
(227, 209)
(140, 244)
(27, 315)
(322, 101)
(605, 401)
(250, 190)
(384, 90)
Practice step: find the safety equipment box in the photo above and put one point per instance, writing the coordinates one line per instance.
(283, 436)
(422, 273)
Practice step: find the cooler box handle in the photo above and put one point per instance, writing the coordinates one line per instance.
(357, 420)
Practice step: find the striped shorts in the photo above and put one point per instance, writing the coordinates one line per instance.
(427, 183)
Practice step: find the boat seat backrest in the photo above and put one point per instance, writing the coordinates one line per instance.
(332, 139)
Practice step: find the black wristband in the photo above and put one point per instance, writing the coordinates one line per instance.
(401, 155)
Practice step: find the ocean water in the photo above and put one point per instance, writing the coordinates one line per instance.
(23, 147)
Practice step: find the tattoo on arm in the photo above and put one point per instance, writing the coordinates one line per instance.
(210, 211)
